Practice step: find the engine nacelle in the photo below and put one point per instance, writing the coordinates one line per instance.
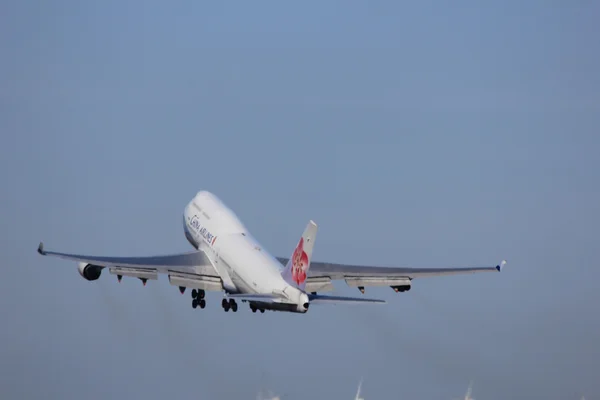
(401, 288)
(89, 272)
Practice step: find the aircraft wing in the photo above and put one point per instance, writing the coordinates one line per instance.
(193, 269)
(343, 271)
(321, 274)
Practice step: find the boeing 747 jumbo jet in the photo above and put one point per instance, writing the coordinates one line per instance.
(227, 258)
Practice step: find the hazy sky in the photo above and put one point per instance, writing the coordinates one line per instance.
(415, 134)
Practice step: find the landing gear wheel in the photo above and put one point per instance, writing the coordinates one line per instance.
(195, 303)
(253, 308)
(201, 294)
(225, 305)
(262, 310)
(234, 306)
(202, 303)
(194, 293)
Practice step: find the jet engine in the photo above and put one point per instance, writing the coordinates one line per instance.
(89, 272)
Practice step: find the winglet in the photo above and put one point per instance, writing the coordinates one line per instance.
(41, 249)
(501, 265)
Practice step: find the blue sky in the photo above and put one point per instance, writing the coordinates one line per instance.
(414, 133)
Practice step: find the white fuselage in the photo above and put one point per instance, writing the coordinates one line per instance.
(244, 265)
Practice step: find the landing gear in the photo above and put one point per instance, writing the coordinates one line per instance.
(198, 298)
(229, 304)
(254, 308)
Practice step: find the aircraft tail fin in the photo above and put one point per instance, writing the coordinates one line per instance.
(296, 269)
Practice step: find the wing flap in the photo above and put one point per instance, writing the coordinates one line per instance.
(377, 281)
(319, 284)
(134, 273)
(195, 281)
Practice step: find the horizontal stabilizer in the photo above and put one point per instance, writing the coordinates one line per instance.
(501, 265)
(321, 299)
(263, 298)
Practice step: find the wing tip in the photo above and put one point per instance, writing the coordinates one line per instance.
(40, 249)
(501, 265)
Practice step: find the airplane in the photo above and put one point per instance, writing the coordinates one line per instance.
(469, 391)
(228, 259)
(357, 397)
(271, 396)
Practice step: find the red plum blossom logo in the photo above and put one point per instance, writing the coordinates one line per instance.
(299, 263)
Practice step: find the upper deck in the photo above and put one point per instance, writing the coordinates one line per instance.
(216, 215)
